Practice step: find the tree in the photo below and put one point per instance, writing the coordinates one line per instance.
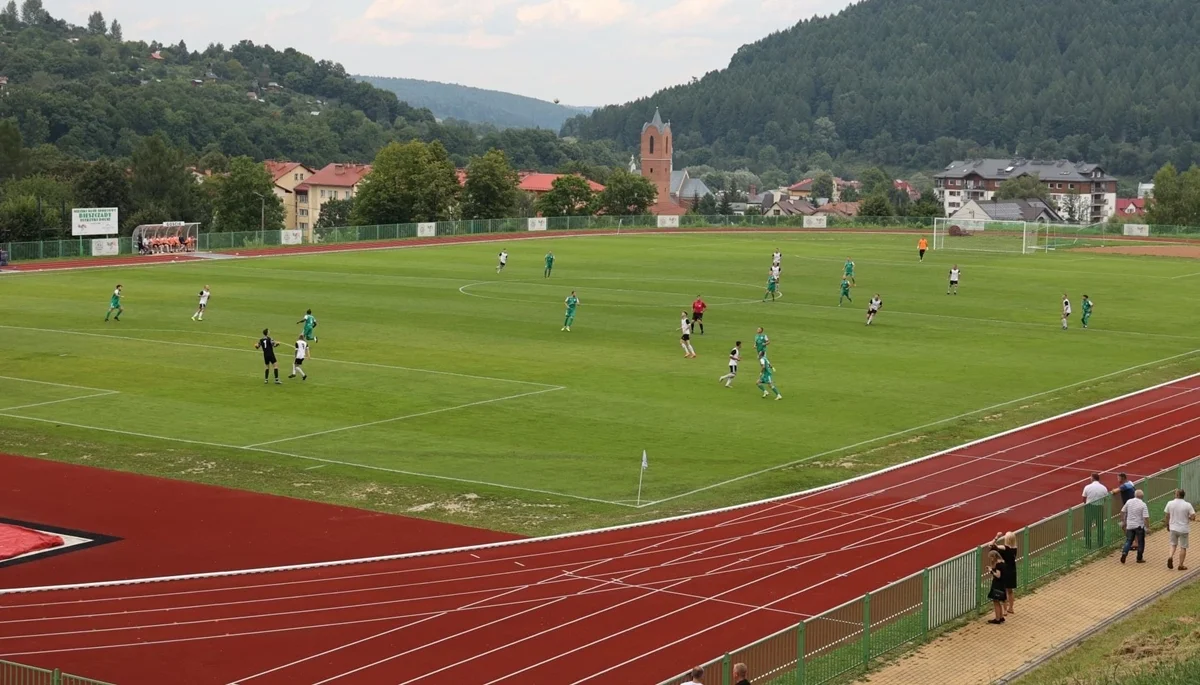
(725, 208)
(1075, 206)
(9, 18)
(849, 194)
(874, 180)
(408, 183)
(96, 24)
(12, 150)
(32, 12)
(115, 30)
(1176, 198)
(569, 195)
(21, 219)
(213, 161)
(626, 194)
(875, 205)
(246, 198)
(335, 213)
(1022, 188)
(104, 184)
(707, 206)
(490, 190)
(161, 180)
(822, 186)
(927, 206)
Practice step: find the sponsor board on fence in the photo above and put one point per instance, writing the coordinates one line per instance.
(1138, 230)
(537, 224)
(105, 247)
(94, 221)
(427, 230)
(816, 221)
(668, 222)
(291, 237)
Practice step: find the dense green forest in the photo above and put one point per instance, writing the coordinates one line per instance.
(913, 84)
(477, 105)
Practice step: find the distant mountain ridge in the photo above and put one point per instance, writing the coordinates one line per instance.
(477, 105)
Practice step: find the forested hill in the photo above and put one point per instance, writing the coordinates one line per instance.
(477, 105)
(916, 83)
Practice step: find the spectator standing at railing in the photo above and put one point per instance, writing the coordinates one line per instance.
(697, 674)
(1093, 511)
(740, 675)
(1179, 515)
(995, 569)
(1135, 517)
(1124, 488)
(1005, 544)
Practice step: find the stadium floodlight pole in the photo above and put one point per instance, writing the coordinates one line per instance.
(262, 212)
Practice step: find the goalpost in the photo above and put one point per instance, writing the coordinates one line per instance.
(983, 235)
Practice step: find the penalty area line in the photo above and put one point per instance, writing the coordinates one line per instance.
(106, 393)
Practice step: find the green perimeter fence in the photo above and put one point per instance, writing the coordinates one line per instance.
(19, 674)
(843, 642)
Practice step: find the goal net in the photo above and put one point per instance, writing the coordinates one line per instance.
(167, 237)
(982, 235)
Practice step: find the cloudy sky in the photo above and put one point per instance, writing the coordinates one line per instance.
(584, 52)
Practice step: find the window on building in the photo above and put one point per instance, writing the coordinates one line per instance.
(303, 212)
(303, 226)
(1071, 186)
(302, 198)
(322, 194)
(651, 144)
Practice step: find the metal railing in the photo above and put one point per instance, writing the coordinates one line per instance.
(19, 674)
(847, 639)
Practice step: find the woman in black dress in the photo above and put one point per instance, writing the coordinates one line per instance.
(995, 568)
(1006, 546)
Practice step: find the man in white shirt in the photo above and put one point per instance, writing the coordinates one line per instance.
(503, 261)
(1179, 515)
(199, 315)
(1135, 517)
(1066, 310)
(1093, 511)
(685, 340)
(301, 355)
(777, 258)
(735, 356)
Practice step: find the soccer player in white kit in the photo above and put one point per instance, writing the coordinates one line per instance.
(954, 274)
(776, 272)
(199, 315)
(873, 308)
(301, 355)
(777, 258)
(503, 261)
(685, 340)
(735, 356)
(1066, 310)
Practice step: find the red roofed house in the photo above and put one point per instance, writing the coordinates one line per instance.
(334, 182)
(539, 184)
(803, 189)
(287, 176)
(1131, 206)
(913, 193)
(843, 209)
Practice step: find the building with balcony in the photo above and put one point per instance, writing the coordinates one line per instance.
(1081, 191)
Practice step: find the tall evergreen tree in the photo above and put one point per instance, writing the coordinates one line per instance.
(114, 31)
(96, 25)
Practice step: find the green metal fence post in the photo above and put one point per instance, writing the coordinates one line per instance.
(727, 670)
(800, 647)
(924, 603)
(1026, 557)
(56, 677)
(866, 629)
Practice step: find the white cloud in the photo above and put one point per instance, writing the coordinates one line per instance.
(576, 13)
(427, 12)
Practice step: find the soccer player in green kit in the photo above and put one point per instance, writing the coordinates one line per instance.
(310, 323)
(760, 343)
(572, 303)
(848, 272)
(549, 264)
(114, 304)
(772, 288)
(845, 292)
(767, 380)
(1087, 310)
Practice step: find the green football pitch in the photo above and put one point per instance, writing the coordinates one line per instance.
(441, 388)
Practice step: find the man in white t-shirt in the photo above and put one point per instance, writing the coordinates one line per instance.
(1093, 511)
(503, 261)
(301, 355)
(1066, 310)
(1179, 515)
(1135, 517)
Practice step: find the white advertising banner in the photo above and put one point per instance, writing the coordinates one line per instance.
(105, 247)
(1139, 230)
(291, 237)
(537, 224)
(668, 222)
(815, 221)
(427, 230)
(95, 221)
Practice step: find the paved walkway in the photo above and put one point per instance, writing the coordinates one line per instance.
(1056, 615)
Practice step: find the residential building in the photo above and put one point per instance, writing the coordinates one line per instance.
(287, 176)
(540, 184)
(1031, 210)
(1127, 206)
(334, 182)
(778, 205)
(842, 209)
(913, 193)
(677, 190)
(803, 189)
(965, 180)
(1145, 190)
(3, 84)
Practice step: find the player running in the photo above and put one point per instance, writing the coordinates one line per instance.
(549, 265)
(698, 308)
(572, 302)
(735, 356)
(301, 355)
(114, 304)
(1066, 310)
(848, 271)
(772, 287)
(199, 315)
(760, 344)
(954, 274)
(777, 258)
(776, 272)
(767, 380)
(873, 308)
(845, 292)
(922, 246)
(1087, 310)
(310, 326)
(503, 261)
(685, 340)
(267, 345)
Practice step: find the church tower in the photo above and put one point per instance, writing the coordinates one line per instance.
(656, 155)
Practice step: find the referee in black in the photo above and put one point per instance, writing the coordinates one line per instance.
(267, 345)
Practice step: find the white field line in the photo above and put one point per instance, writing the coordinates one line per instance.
(248, 349)
(322, 460)
(69, 399)
(560, 536)
(1197, 273)
(405, 417)
(931, 424)
(57, 385)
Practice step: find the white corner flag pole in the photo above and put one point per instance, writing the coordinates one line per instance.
(645, 465)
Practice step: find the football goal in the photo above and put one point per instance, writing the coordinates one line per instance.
(981, 235)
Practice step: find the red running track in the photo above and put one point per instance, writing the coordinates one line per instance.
(633, 604)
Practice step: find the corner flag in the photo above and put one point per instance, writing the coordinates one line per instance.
(645, 461)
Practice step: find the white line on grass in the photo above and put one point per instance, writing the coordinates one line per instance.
(1185, 276)
(106, 393)
(247, 349)
(906, 431)
(405, 417)
(57, 385)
